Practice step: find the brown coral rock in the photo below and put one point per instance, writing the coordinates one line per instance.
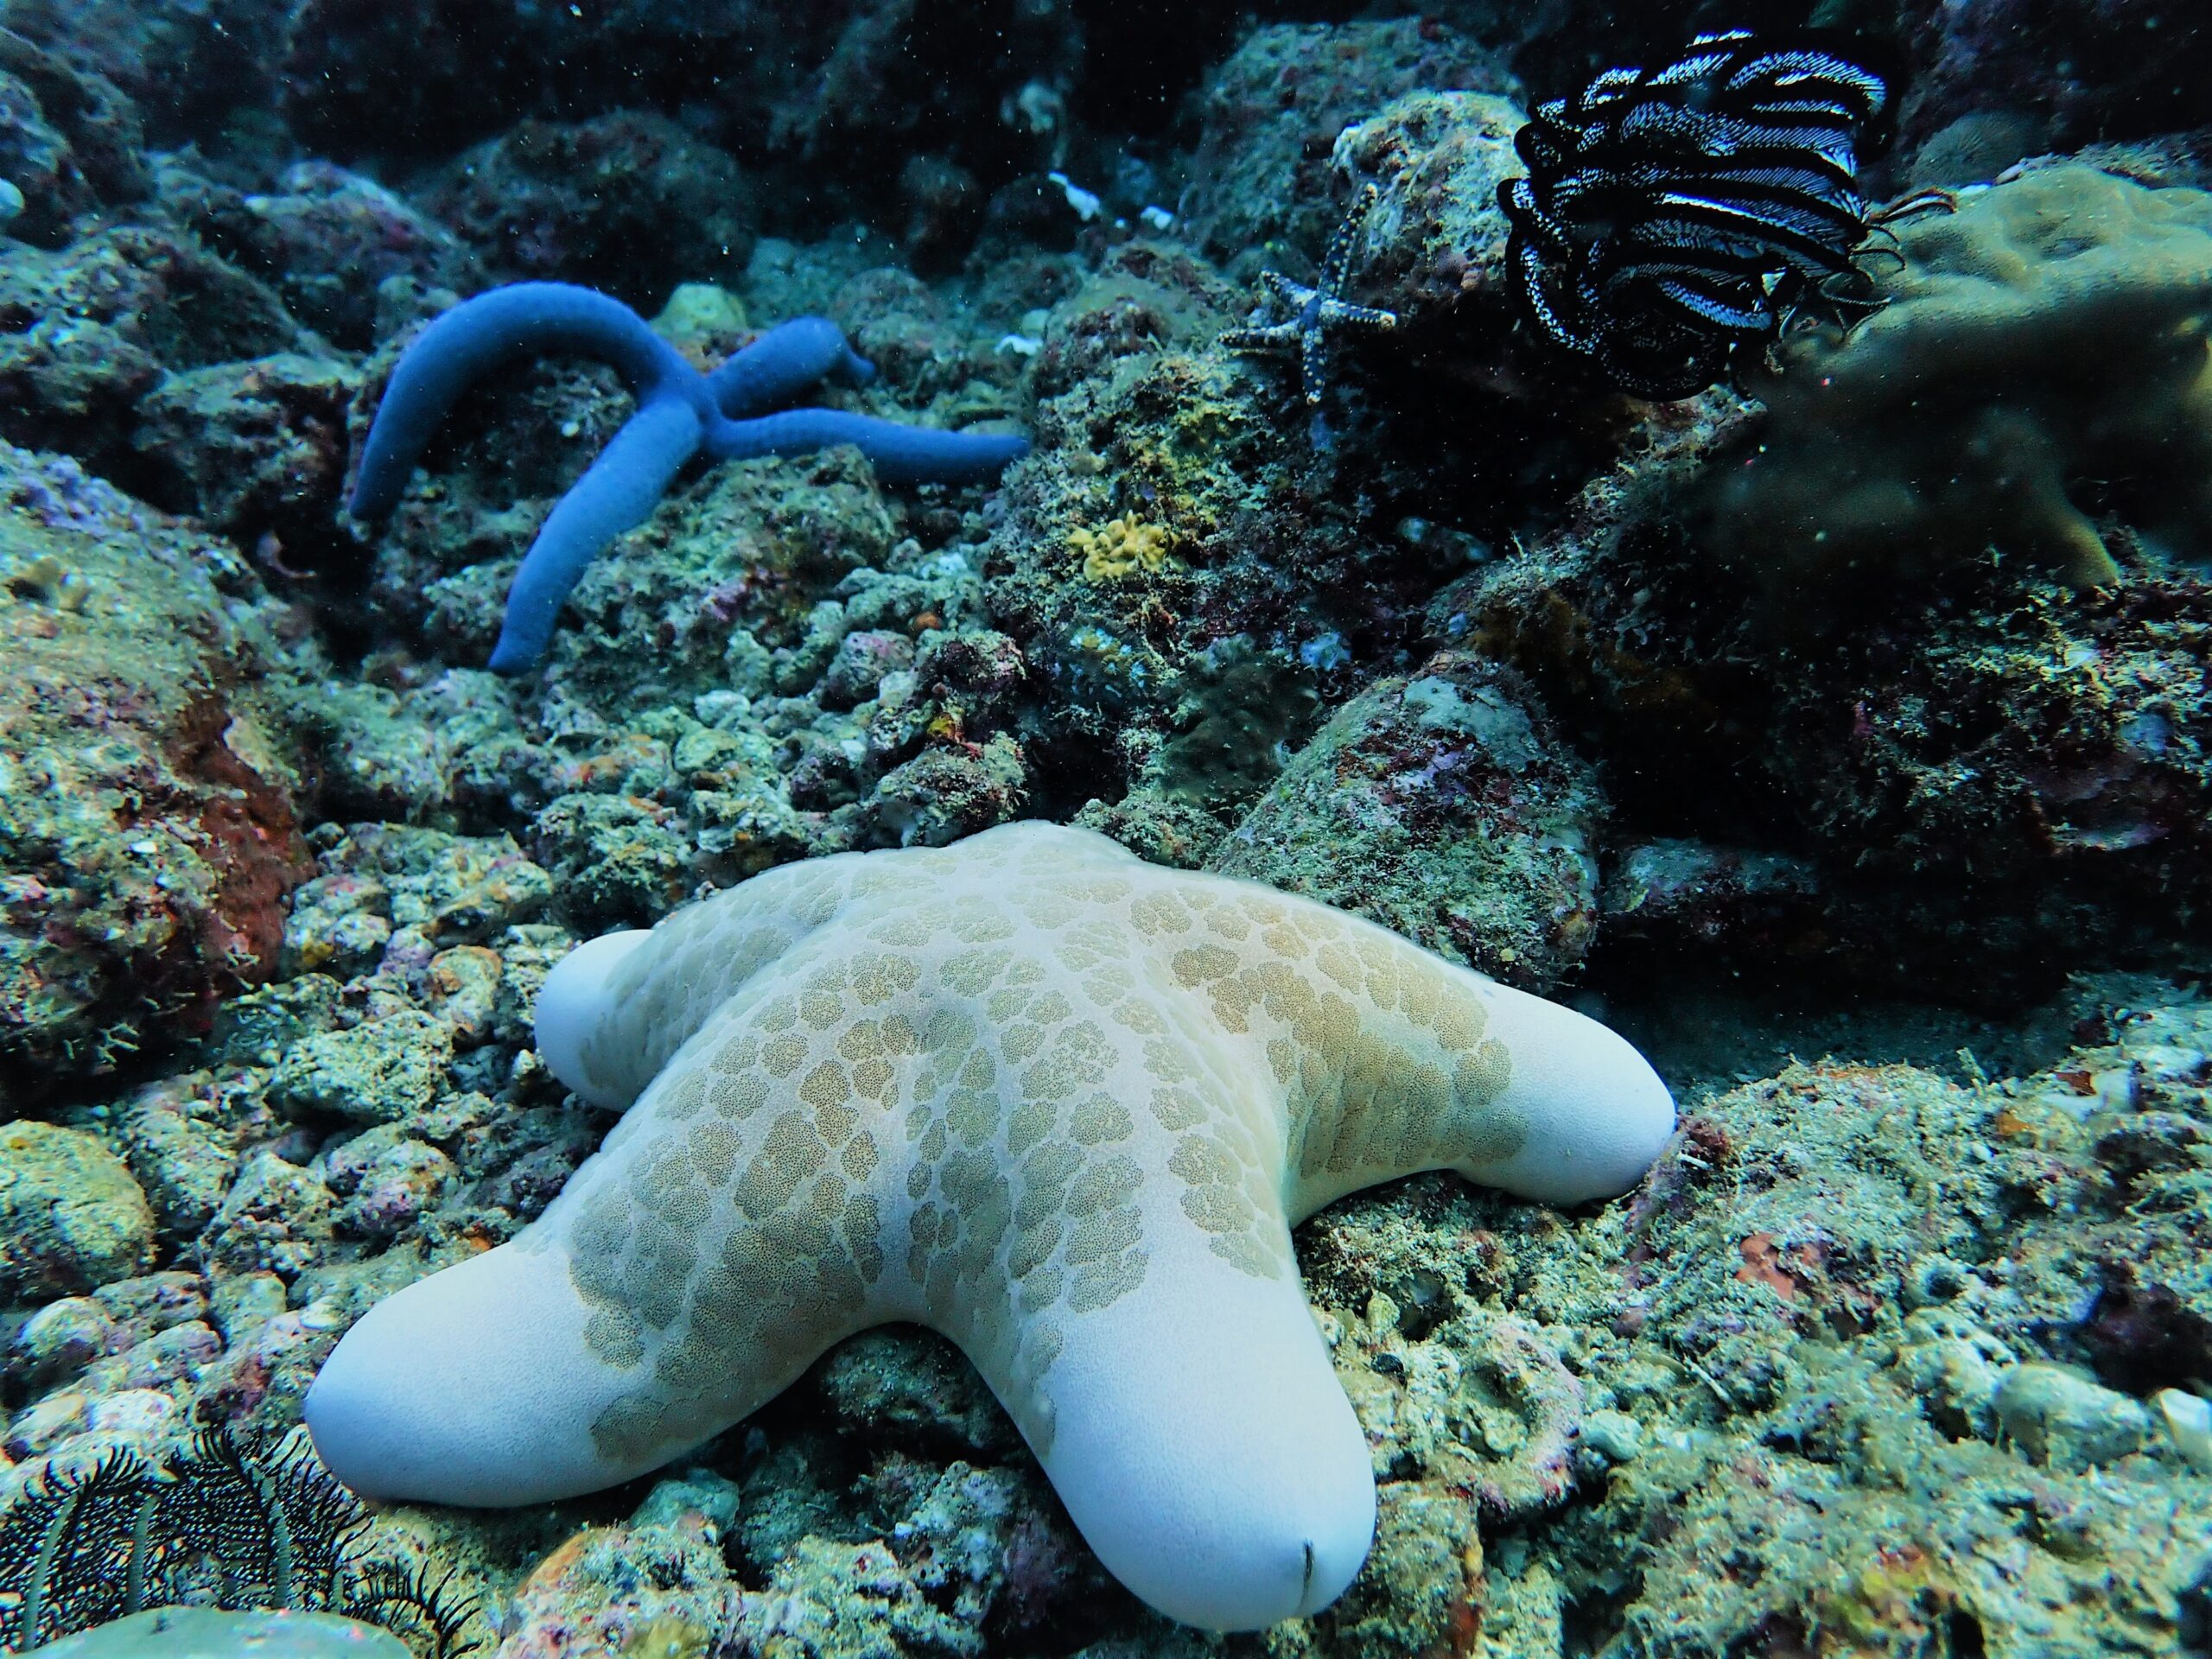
(150, 838)
(1444, 804)
(71, 1217)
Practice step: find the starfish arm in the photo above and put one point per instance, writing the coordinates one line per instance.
(475, 1386)
(899, 454)
(1201, 1441)
(1405, 1062)
(686, 1275)
(1275, 337)
(1336, 267)
(1589, 1114)
(789, 359)
(1295, 294)
(463, 344)
(618, 493)
(1338, 314)
(614, 1011)
(1389, 1060)
(724, 1236)
(1312, 370)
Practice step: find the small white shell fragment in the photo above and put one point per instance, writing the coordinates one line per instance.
(1613, 1435)
(2188, 1420)
(1085, 202)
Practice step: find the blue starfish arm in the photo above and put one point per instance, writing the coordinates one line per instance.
(618, 491)
(463, 344)
(899, 454)
(680, 413)
(786, 361)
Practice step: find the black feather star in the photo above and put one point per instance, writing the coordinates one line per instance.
(1674, 216)
(226, 1522)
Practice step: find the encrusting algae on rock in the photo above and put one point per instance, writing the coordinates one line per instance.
(1121, 547)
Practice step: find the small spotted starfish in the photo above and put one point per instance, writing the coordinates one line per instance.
(1316, 311)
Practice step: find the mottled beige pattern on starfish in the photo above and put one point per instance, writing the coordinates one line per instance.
(997, 1107)
(1063, 1106)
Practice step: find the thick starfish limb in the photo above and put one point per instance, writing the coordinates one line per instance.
(614, 1010)
(475, 1384)
(618, 491)
(483, 1387)
(899, 454)
(789, 359)
(420, 1405)
(460, 346)
(1203, 1445)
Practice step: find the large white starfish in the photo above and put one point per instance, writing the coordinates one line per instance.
(1059, 1104)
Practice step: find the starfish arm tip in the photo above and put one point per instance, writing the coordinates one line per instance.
(1219, 1516)
(474, 1387)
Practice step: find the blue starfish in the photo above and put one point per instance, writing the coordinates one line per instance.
(681, 413)
(1316, 312)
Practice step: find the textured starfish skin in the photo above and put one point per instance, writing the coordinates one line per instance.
(1318, 311)
(681, 413)
(1062, 1106)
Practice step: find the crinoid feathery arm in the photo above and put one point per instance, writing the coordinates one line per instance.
(681, 413)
